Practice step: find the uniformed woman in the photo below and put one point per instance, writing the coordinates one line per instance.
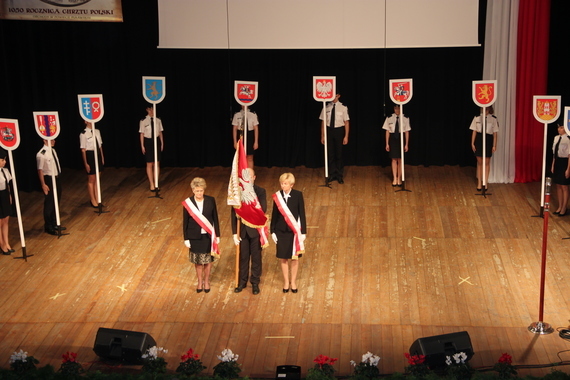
(87, 145)
(6, 204)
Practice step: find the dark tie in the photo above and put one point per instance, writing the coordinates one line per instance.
(5, 180)
(56, 162)
(556, 147)
(333, 116)
(151, 128)
(397, 127)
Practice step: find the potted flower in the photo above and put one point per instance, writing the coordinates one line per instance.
(190, 364)
(152, 362)
(227, 368)
(367, 368)
(21, 363)
(417, 366)
(505, 367)
(69, 365)
(323, 369)
(457, 366)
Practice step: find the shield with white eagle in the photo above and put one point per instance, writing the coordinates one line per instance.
(324, 88)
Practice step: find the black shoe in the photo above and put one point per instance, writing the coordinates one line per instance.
(285, 290)
(556, 213)
(206, 290)
(239, 289)
(61, 228)
(50, 231)
(255, 288)
(5, 252)
(294, 290)
(340, 180)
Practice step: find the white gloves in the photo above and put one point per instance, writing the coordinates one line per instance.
(236, 239)
(303, 237)
(274, 237)
(218, 240)
(187, 243)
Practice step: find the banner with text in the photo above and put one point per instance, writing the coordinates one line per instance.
(62, 10)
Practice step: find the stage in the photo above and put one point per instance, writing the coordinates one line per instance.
(381, 269)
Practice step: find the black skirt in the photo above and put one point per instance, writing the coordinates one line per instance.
(7, 208)
(149, 149)
(395, 148)
(90, 155)
(559, 174)
(479, 145)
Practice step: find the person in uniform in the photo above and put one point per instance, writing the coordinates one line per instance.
(561, 169)
(250, 244)
(6, 204)
(337, 122)
(201, 231)
(48, 164)
(392, 125)
(252, 132)
(87, 145)
(288, 229)
(491, 129)
(146, 132)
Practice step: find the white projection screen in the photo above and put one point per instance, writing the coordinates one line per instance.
(317, 24)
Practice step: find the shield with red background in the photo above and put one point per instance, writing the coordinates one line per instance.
(9, 134)
(91, 107)
(546, 109)
(324, 88)
(47, 124)
(484, 92)
(245, 92)
(401, 90)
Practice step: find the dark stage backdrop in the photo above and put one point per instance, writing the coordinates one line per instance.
(45, 65)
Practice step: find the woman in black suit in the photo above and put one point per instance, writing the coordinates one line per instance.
(289, 241)
(201, 232)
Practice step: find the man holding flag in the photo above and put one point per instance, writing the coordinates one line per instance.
(251, 233)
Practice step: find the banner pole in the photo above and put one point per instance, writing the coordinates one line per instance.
(18, 211)
(238, 247)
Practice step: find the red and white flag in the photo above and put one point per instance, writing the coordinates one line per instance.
(242, 196)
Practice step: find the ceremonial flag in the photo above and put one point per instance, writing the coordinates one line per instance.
(9, 134)
(241, 194)
(484, 92)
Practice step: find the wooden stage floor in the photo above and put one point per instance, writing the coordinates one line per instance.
(382, 269)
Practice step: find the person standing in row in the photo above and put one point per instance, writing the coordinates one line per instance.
(87, 140)
(6, 204)
(393, 125)
(289, 229)
(491, 129)
(252, 132)
(148, 133)
(48, 165)
(337, 123)
(250, 244)
(561, 169)
(201, 231)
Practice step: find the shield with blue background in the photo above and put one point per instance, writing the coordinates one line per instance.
(154, 89)
(91, 107)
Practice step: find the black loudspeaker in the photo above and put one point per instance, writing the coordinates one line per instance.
(288, 372)
(122, 345)
(436, 348)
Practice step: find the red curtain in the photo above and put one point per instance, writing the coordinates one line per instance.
(532, 75)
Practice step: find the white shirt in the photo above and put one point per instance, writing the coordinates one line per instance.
(3, 180)
(252, 120)
(390, 123)
(341, 114)
(86, 139)
(45, 161)
(564, 148)
(492, 124)
(145, 127)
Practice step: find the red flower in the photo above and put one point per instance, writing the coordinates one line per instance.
(69, 357)
(189, 355)
(415, 359)
(506, 358)
(323, 359)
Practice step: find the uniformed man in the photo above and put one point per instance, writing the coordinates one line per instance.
(48, 165)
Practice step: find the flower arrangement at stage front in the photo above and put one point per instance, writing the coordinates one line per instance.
(323, 369)
(69, 364)
(21, 363)
(227, 368)
(458, 368)
(152, 362)
(505, 367)
(190, 364)
(367, 368)
(417, 366)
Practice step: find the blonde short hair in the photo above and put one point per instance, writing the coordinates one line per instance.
(287, 177)
(198, 182)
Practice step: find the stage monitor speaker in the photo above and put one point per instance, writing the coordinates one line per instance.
(289, 372)
(122, 345)
(436, 348)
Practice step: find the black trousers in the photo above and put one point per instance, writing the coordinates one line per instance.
(50, 221)
(335, 136)
(250, 250)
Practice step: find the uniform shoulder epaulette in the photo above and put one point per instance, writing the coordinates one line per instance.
(494, 116)
(83, 131)
(43, 151)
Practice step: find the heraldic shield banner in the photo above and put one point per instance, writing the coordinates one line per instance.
(9, 134)
(324, 88)
(47, 124)
(154, 89)
(401, 90)
(546, 109)
(245, 93)
(566, 120)
(484, 92)
(91, 107)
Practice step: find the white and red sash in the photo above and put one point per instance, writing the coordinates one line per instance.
(294, 225)
(204, 223)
